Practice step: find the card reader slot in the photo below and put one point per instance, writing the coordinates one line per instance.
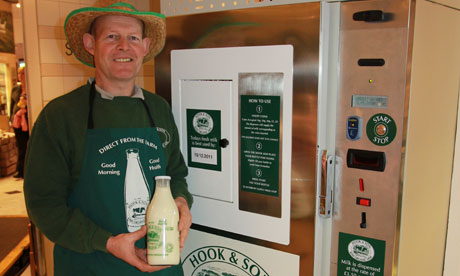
(369, 16)
(371, 62)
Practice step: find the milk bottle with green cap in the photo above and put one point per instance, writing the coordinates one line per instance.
(162, 226)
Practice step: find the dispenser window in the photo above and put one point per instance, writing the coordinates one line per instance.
(366, 160)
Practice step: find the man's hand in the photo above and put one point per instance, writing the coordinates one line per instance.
(185, 219)
(122, 246)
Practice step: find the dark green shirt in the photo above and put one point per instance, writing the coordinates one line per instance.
(55, 156)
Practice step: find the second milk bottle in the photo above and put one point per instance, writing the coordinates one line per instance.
(162, 226)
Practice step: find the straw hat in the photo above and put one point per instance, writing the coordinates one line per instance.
(79, 22)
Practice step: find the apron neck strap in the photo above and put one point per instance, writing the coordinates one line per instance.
(92, 95)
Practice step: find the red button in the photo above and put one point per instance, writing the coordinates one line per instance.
(361, 185)
(363, 201)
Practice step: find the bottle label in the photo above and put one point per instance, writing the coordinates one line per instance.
(154, 234)
(157, 232)
(136, 212)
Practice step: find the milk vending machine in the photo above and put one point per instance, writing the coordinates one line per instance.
(291, 117)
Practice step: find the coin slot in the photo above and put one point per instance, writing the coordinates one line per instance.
(363, 223)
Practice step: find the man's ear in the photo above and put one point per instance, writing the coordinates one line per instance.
(89, 43)
(146, 42)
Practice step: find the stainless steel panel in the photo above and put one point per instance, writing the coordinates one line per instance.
(387, 40)
(298, 25)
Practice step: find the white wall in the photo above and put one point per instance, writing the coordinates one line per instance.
(452, 264)
(431, 134)
(452, 257)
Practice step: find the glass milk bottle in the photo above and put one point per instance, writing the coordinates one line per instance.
(162, 226)
(137, 192)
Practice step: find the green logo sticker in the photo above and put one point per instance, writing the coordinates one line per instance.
(381, 129)
(360, 256)
(203, 137)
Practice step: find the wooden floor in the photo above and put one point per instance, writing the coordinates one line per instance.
(9, 260)
(13, 205)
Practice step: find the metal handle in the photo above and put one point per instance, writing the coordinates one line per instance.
(327, 181)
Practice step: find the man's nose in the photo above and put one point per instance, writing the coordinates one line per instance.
(123, 43)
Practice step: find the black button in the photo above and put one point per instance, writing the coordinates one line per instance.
(223, 143)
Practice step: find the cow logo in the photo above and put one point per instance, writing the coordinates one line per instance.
(361, 250)
(135, 216)
(154, 234)
(203, 123)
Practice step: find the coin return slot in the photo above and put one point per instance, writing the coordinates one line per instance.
(366, 160)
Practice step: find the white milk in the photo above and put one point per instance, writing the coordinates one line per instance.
(162, 226)
(137, 192)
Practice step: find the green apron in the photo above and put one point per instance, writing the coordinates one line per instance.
(100, 193)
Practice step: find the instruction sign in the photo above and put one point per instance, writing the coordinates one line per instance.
(203, 137)
(260, 144)
(360, 256)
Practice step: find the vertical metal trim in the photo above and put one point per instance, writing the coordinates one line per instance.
(327, 107)
(410, 40)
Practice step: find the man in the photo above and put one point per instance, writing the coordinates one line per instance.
(76, 181)
(18, 119)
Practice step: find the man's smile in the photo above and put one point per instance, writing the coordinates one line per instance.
(123, 59)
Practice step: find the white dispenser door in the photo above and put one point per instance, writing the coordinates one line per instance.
(206, 145)
(233, 109)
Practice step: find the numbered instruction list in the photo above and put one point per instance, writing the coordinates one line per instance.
(260, 144)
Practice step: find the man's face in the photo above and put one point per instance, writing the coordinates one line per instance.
(22, 77)
(118, 47)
